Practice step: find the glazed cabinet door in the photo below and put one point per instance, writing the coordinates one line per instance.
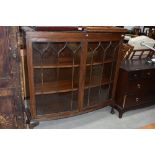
(101, 69)
(54, 66)
(11, 115)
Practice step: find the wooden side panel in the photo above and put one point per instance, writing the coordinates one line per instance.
(11, 115)
(3, 53)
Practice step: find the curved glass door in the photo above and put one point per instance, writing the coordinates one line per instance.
(56, 75)
(100, 67)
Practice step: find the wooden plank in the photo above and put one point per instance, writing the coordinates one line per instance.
(6, 92)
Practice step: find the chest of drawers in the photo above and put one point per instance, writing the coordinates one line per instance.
(135, 86)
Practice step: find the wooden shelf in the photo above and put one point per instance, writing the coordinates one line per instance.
(65, 86)
(95, 83)
(55, 87)
(68, 65)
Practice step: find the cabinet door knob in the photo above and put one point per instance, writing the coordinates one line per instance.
(138, 85)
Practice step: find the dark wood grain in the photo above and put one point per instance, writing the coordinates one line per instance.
(11, 108)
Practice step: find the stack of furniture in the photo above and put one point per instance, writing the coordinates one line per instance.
(149, 31)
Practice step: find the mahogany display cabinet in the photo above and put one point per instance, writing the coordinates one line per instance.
(72, 72)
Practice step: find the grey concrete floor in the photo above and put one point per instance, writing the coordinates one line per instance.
(103, 119)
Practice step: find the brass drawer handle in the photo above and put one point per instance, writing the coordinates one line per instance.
(135, 75)
(138, 85)
(137, 99)
(148, 73)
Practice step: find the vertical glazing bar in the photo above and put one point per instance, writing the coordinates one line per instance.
(58, 55)
(71, 103)
(42, 52)
(42, 70)
(112, 69)
(73, 70)
(58, 69)
(42, 74)
(103, 58)
(91, 69)
(82, 72)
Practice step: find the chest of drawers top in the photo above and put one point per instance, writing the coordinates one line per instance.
(138, 69)
(135, 65)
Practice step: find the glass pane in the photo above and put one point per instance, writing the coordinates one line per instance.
(56, 53)
(55, 103)
(97, 95)
(112, 51)
(100, 70)
(56, 75)
(109, 71)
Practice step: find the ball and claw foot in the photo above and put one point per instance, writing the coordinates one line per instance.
(112, 111)
(120, 114)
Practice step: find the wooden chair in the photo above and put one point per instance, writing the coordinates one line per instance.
(140, 54)
(125, 50)
(128, 52)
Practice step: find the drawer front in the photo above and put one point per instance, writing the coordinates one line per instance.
(138, 86)
(142, 74)
(134, 100)
(135, 75)
(148, 97)
(131, 100)
(147, 74)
